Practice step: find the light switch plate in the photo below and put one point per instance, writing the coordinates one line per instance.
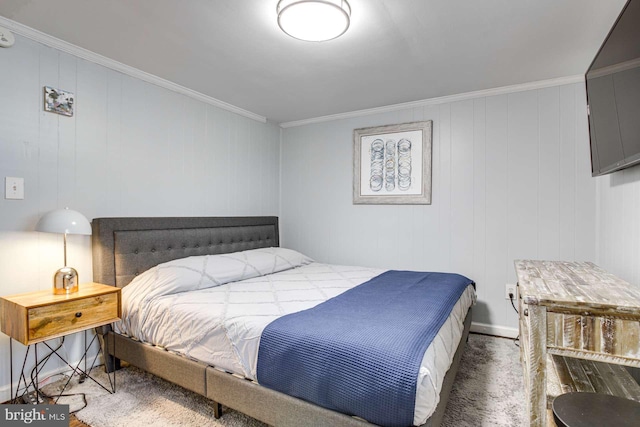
(14, 188)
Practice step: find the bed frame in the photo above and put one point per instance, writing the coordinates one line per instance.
(125, 247)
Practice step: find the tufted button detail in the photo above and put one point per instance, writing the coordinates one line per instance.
(135, 252)
(153, 250)
(169, 248)
(136, 273)
(197, 246)
(184, 246)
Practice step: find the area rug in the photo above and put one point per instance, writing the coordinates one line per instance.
(488, 391)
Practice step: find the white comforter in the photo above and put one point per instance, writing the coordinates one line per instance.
(214, 309)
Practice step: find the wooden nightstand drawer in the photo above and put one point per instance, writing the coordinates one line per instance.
(38, 316)
(66, 317)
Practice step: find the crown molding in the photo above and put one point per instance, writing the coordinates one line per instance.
(615, 68)
(82, 53)
(440, 100)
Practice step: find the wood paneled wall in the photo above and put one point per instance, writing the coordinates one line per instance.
(511, 179)
(131, 149)
(618, 213)
(618, 226)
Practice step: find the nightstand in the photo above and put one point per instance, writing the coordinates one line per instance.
(32, 318)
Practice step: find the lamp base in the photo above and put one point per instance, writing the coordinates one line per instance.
(65, 281)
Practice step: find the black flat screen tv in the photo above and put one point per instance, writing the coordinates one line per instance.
(613, 96)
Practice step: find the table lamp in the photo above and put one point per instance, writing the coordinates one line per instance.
(64, 221)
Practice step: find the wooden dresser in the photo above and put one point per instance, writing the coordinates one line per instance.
(573, 317)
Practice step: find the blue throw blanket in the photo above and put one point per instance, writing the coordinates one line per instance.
(360, 352)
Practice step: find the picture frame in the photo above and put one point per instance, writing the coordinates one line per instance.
(392, 164)
(58, 101)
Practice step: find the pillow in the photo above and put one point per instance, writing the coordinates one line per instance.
(206, 271)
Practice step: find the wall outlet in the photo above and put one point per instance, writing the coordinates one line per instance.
(510, 289)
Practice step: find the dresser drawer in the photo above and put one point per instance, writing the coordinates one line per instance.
(70, 316)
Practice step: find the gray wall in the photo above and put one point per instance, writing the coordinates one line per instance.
(131, 149)
(618, 223)
(618, 227)
(511, 179)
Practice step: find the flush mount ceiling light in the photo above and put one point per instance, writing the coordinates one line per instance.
(314, 20)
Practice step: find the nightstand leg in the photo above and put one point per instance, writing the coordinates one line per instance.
(22, 378)
(11, 370)
(78, 370)
(83, 376)
(37, 390)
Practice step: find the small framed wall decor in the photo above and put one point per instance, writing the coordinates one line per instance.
(58, 101)
(392, 164)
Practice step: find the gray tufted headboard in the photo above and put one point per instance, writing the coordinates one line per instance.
(124, 247)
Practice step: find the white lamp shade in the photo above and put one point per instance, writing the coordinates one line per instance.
(65, 221)
(314, 20)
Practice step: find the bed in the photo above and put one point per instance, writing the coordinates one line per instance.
(124, 248)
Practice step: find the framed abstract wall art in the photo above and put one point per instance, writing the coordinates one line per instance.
(392, 164)
(58, 101)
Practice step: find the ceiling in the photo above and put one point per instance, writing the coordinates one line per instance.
(395, 50)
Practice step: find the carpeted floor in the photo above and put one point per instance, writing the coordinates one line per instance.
(488, 391)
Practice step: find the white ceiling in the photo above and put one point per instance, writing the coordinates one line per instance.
(395, 50)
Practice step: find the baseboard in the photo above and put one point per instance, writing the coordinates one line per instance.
(498, 331)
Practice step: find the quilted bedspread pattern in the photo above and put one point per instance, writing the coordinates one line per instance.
(360, 352)
(214, 309)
